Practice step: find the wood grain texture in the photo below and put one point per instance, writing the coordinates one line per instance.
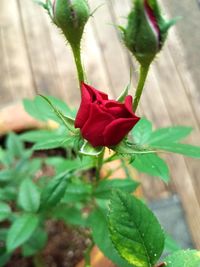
(15, 73)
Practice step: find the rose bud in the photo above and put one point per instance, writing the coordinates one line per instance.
(71, 16)
(104, 122)
(146, 30)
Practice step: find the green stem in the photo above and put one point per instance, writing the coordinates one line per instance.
(143, 75)
(99, 165)
(87, 255)
(77, 57)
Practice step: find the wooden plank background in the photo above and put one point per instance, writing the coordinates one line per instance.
(34, 59)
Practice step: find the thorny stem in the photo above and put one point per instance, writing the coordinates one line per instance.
(77, 57)
(143, 75)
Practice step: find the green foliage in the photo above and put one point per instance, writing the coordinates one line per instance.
(152, 164)
(187, 258)
(101, 237)
(54, 191)
(134, 230)
(104, 187)
(35, 243)
(21, 230)
(5, 211)
(29, 196)
(164, 139)
(42, 110)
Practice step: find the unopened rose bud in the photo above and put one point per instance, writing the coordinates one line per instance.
(146, 31)
(71, 16)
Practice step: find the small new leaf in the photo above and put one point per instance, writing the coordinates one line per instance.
(134, 230)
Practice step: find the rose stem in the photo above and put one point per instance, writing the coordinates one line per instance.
(99, 164)
(79, 66)
(87, 255)
(143, 75)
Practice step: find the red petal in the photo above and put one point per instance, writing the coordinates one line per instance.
(92, 92)
(96, 123)
(117, 130)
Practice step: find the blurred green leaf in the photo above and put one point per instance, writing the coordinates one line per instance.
(184, 149)
(36, 243)
(5, 211)
(187, 258)
(153, 165)
(99, 225)
(142, 131)
(105, 187)
(29, 196)
(55, 190)
(169, 135)
(21, 230)
(14, 146)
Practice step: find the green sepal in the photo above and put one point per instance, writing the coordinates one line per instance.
(89, 150)
(66, 120)
(123, 94)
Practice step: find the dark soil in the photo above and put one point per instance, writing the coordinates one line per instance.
(65, 248)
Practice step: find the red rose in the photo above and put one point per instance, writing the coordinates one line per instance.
(104, 122)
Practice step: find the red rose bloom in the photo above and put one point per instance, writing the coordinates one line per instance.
(104, 122)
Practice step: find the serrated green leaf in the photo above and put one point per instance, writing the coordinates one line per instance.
(29, 196)
(169, 135)
(89, 150)
(142, 131)
(5, 211)
(54, 191)
(152, 165)
(102, 239)
(183, 149)
(21, 230)
(105, 187)
(184, 258)
(134, 230)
